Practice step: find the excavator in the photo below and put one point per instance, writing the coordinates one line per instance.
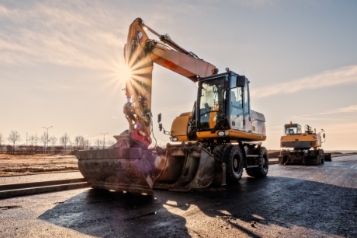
(209, 145)
(305, 146)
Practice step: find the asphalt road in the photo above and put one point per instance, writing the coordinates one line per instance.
(293, 201)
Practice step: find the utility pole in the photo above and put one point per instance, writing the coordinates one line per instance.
(46, 137)
(104, 138)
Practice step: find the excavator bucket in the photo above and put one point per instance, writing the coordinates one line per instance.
(119, 169)
(186, 168)
(138, 170)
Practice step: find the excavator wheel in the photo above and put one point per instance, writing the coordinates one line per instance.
(322, 156)
(218, 152)
(263, 168)
(327, 157)
(234, 160)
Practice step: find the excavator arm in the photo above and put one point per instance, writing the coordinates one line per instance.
(140, 53)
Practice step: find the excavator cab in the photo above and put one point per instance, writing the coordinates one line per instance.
(223, 102)
(292, 129)
(211, 102)
(221, 112)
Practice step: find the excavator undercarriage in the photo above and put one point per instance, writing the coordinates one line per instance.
(179, 167)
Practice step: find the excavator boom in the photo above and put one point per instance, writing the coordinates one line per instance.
(140, 53)
(166, 53)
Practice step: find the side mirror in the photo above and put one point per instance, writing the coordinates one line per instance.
(159, 118)
(160, 126)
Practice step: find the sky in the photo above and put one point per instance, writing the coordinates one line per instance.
(61, 63)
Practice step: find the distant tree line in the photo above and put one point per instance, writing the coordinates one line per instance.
(48, 145)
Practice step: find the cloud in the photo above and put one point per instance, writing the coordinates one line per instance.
(177, 110)
(75, 33)
(344, 75)
(253, 3)
(352, 108)
(78, 33)
(3, 11)
(318, 116)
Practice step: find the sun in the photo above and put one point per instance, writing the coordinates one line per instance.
(116, 76)
(134, 75)
(124, 72)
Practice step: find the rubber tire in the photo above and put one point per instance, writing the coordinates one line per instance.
(315, 157)
(218, 152)
(327, 157)
(233, 158)
(263, 168)
(322, 161)
(218, 155)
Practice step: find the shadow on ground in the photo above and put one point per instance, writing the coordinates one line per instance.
(244, 207)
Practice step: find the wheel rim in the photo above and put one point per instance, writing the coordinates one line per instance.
(236, 165)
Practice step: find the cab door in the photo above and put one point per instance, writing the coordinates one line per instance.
(246, 108)
(235, 104)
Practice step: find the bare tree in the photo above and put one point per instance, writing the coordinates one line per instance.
(110, 142)
(33, 143)
(52, 140)
(14, 137)
(33, 139)
(79, 141)
(1, 141)
(82, 143)
(65, 140)
(23, 149)
(86, 144)
(98, 143)
(44, 140)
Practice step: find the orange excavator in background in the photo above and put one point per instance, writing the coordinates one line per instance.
(305, 147)
(218, 138)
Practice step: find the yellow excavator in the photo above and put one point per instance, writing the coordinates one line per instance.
(305, 146)
(209, 145)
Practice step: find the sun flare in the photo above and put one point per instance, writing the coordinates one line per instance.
(124, 72)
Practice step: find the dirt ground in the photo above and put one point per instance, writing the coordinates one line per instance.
(14, 165)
